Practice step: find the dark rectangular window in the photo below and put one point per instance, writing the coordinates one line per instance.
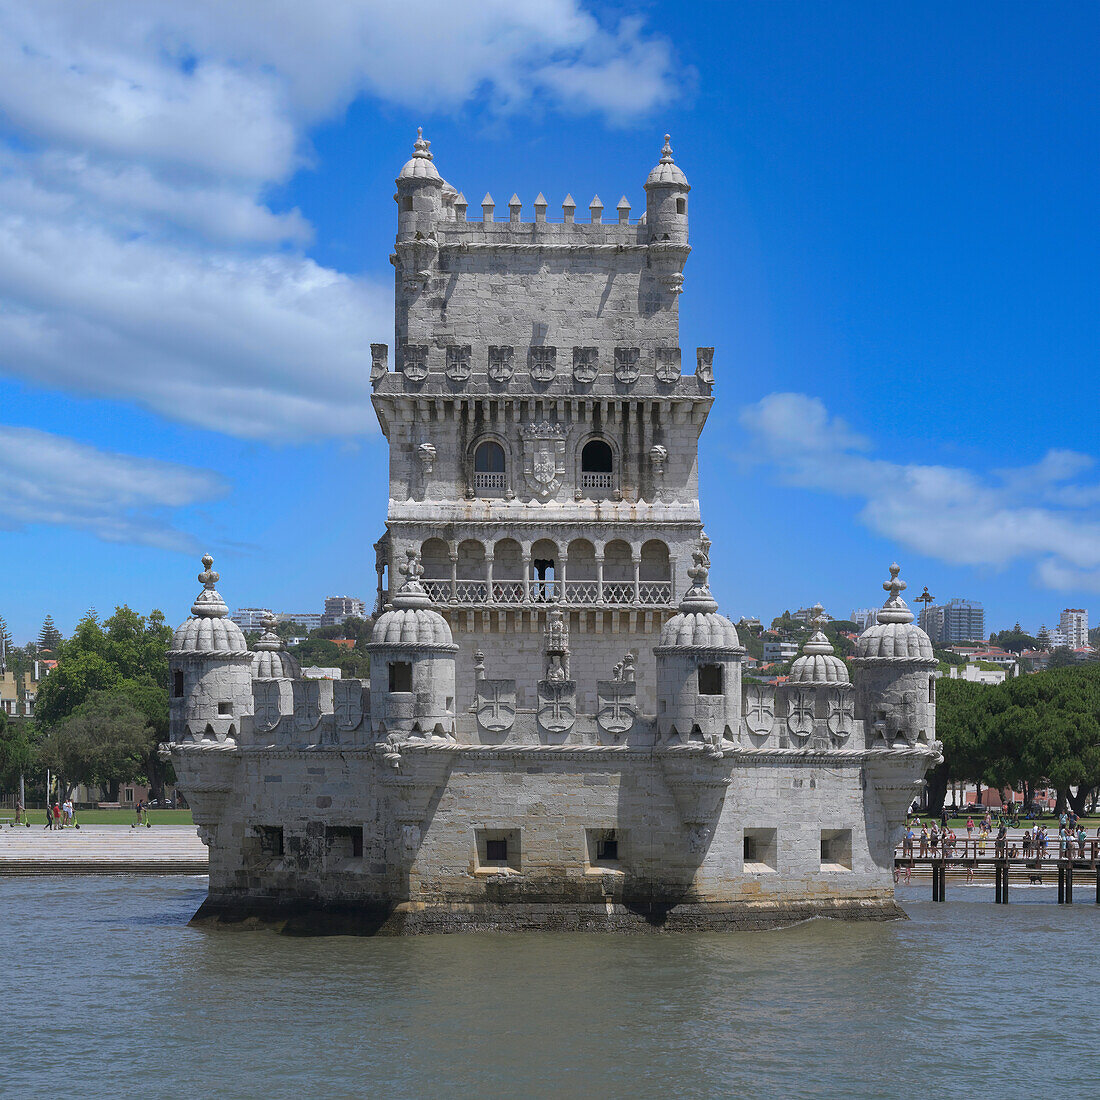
(710, 680)
(750, 849)
(607, 848)
(401, 676)
(681, 206)
(407, 202)
(344, 841)
(496, 851)
(177, 684)
(225, 708)
(271, 841)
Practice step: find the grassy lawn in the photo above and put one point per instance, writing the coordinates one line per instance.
(114, 817)
(1048, 821)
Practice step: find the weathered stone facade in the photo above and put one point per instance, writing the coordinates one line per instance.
(556, 733)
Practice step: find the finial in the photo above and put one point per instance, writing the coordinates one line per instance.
(666, 152)
(893, 585)
(420, 146)
(412, 570)
(819, 618)
(568, 209)
(698, 599)
(208, 577)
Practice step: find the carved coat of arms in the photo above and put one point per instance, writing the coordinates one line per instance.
(266, 712)
(842, 713)
(496, 705)
(379, 362)
(307, 704)
(616, 705)
(557, 705)
(586, 364)
(800, 713)
(414, 362)
(626, 364)
(502, 363)
(347, 703)
(458, 362)
(759, 709)
(668, 365)
(543, 459)
(542, 363)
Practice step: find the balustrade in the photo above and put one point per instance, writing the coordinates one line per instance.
(535, 591)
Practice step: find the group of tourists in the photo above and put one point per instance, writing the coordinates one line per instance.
(61, 815)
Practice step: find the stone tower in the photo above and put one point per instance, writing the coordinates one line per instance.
(543, 437)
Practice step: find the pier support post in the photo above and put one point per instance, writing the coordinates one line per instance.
(1004, 882)
(1069, 882)
(997, 882)
(1098, 883)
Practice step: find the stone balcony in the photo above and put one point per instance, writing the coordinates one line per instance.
(534, 593)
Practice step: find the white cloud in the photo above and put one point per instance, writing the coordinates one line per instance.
(48, 479)
(957, 515)
(138, 259)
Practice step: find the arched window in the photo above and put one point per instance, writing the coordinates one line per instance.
(597, 465)
(489, 466)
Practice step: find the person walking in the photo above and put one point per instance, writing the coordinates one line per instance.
(969, 828)
(56, 816)
(49, 817)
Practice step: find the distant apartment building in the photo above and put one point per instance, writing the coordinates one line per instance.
(18, 692)
(308, 619)
(780, 651)
(340, 608)
(864, 617)
(250, 618)
(806, 614)
(1074, 625)
(958, 620)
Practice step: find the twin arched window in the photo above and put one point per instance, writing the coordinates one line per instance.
(597, 466)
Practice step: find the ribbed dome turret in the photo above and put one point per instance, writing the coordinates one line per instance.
(419, 166)
(697, 622)
(270, 659)
(895, 636)
(666, 172)
(819, 663)
(209, 630)
(411, 621)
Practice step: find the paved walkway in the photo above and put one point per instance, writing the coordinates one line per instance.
(101, 849)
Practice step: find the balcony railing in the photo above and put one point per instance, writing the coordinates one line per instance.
(513, 593)
(492, 481)
(591, 480)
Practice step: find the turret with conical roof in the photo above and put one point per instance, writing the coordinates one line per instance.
(895, 674)
(698, 665)
(666, 192)
(270, 658)
(209, 668)
(412, 663)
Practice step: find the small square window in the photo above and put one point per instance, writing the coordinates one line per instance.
(498, 849)
(401, 676)
(710, 679)
(177, 684)
(271, 841)
(681, 206)
(225, 708)
(836, 849)
(344, 841)
(407, 203)
(605, 847)
(760, 850)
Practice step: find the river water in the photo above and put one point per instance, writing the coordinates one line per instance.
(108, 992)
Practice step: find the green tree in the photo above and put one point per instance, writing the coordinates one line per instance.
(1015, 641)
(6, 646)
(17, 755)
(1062, 657)
(49, 637)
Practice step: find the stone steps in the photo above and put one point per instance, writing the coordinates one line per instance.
(97, 850)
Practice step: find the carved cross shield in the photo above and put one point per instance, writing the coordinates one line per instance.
(502, 363)
(586, 364)
(347, 703)
(543, 459)
(496, 705)
(414, 362)
(616, 705)
(379, 356)
(626, 364)
(704, 365)
(668, 365)
(557, 711)
(541, 363)
(759, 709)
(307, 704)
(842, 713)
(458, 362)
(266, 714)
(800, 713)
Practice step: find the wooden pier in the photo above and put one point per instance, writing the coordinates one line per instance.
(1003, 859)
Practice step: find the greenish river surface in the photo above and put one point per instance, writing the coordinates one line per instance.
(108, 992)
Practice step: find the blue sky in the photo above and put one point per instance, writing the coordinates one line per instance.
(895, 234)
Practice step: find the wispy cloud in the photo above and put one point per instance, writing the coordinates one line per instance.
(1042, 514)
(138, 257)
(49, 479)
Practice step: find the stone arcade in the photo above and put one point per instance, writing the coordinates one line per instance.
(555, 733)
